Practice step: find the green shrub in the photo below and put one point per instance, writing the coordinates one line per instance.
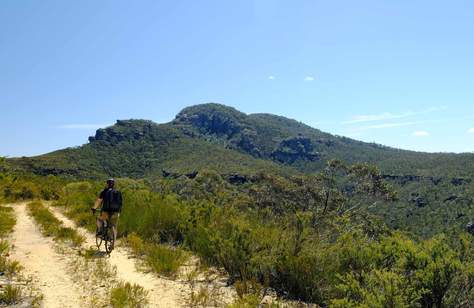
(321, 252)
(126, 295)
(246, 301)
(162, 259)
(7, 220)
(51, 226)
(10, 295)
(136, 244)
(66, 233)
(165, 260)
(7, 266)
(15, 187)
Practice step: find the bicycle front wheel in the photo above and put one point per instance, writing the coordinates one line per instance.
(109, 242)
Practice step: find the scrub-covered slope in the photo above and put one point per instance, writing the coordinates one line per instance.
(213, 136)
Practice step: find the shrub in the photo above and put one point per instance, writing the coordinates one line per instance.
(7, 266)
(51, 226)
(162, 259)
(126, 295)
(10, 295)
(7, 220)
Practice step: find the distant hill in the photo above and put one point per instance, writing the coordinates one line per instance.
(140, 148)
(436, 190)
(293, 143)
(214, 136)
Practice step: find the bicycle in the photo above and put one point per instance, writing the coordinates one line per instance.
(105, 235)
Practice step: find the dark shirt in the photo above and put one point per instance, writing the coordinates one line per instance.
(111, 200)
(103, 194)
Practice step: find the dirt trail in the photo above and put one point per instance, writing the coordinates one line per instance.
(48, 268)
(162, 292)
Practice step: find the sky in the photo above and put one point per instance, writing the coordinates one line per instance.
(398, 73)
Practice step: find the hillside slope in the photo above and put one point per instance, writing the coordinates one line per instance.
(139, 148)
(213, 136)
(293, 143)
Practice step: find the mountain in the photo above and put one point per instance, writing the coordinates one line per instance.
(305, 148)
(140, 148)
(214, 136)
(435, 189)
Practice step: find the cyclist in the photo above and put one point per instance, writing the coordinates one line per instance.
(110, 203)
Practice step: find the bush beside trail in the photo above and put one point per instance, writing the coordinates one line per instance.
(305, 245)
(51, 226)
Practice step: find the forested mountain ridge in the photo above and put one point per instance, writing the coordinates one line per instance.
(307, 149)
(218, 137)
(238, 146)
(140, 148)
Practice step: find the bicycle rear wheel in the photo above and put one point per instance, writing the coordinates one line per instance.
(109, 242)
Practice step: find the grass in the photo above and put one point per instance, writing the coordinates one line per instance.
(51, 226)
(92, 271)
(161, 259)
(7, 220)
(7, 266)
(247, 301)
(126, 295)
(10, 295)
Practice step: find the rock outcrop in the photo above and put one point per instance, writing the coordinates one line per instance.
(293, 149)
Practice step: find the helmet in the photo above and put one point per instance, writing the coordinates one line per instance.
(110, 181)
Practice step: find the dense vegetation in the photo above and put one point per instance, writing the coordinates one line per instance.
(138, 148)
(51, 226)
(308, 237)
(305, 148)
(435, 189)
(218, 137)
(276, 204)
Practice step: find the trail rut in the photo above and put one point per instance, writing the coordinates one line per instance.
(162, 292)
(48, 268)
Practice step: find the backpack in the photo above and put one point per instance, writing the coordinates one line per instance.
(112, 201)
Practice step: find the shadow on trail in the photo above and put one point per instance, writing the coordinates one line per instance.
(101, 254)
(93, 253)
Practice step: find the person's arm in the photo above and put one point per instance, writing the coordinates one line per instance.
(98, 202)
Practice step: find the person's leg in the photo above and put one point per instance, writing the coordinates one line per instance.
(114, 221)
(114, 229)
(100, 222)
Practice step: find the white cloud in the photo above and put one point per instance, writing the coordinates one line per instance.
(389, 125)
(357, 130)
(421, 133)
(378, 117)
(471, 131)
(309, 78)
(83, 126)
(390, 116)
(271, 77)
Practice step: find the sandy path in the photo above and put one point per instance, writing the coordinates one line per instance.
(48, 268)
(162, 292)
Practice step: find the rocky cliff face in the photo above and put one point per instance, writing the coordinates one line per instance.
(294, 149)
(124, 130)
(242, 132)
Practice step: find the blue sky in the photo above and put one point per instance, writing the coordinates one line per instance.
(399, 73)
